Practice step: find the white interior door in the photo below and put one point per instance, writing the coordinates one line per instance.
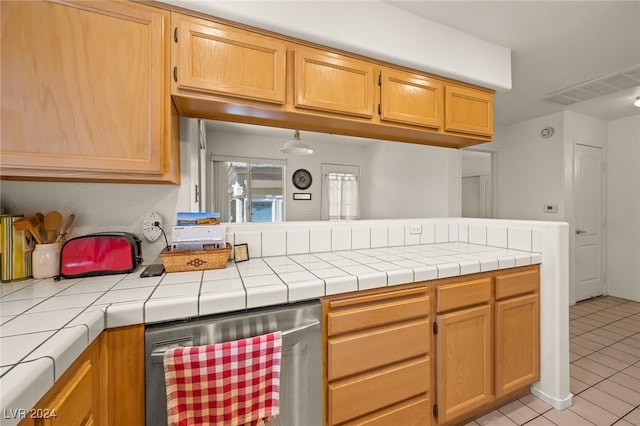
(477, 198)
(589, 229)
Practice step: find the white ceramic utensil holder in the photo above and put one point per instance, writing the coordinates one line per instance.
(45, 260)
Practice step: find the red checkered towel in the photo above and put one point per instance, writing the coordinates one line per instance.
(232, 383)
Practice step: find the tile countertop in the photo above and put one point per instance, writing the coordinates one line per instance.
(46, 325)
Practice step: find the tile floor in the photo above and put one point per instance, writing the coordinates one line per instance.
(604, 338)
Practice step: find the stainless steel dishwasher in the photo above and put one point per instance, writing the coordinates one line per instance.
(301, 365)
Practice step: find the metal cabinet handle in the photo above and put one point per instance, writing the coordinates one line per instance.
(580, 231)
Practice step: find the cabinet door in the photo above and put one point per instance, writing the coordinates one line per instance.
(327, 81)
(411, 99)
(517, 337)
(74, 399)
(220, 59)
(468, 111)
(85, 91)
(73, 404)
(464, 361)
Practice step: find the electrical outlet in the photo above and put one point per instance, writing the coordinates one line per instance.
(415, 229)
(149, 229)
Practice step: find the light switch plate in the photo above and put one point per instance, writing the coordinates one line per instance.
(550, 208)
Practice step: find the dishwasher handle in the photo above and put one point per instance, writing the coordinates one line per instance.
(157, 354)
(297, 332)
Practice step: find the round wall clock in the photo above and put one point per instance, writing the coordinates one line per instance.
(302, 179)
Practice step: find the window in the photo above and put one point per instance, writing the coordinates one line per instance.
(249, 190)
(340, 192)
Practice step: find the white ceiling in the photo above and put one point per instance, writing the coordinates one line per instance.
(554, 45)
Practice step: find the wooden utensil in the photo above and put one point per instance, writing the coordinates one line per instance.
(52, 221)
(65, 227)
(30, 224)
(37, 224)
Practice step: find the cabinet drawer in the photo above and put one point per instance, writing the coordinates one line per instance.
(365, 351)
(362, 312)
(459, 295)
(412, 412)
(73, 405)
(517, 283)
(356, 398)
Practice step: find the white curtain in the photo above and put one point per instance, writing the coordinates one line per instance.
(341, 195)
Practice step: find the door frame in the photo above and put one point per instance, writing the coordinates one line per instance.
(494, 177)
(572, 213)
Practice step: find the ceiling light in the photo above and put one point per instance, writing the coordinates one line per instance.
(637, 102)
(295, 146)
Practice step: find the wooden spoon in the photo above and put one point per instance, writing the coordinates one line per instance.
(37, 224)
(52, 221)
(65, 227)
(29, 224)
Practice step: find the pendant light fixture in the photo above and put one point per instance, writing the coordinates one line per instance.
(295, 146)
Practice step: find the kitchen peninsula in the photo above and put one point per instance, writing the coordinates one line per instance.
(289, 262)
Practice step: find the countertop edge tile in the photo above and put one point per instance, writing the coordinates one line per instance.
(19, 393)
(123, 314)
(64, 347)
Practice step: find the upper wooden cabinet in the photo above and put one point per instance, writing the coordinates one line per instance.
(410, 98)
(331, 82)
(232, 72)
(468, 110)
(217, 58)
(85, 92)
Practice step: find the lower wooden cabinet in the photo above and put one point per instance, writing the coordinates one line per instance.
(104, 386)
(487, 341)
(464, 378)
(440, 352)
(74, 399)
(517, 331)
(378, 357)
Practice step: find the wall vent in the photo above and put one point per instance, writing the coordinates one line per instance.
(601, 86)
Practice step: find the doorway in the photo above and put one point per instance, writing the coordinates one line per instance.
(477, 184)
(588, 221)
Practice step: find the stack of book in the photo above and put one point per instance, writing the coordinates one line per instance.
(15, 250)
(198, 231)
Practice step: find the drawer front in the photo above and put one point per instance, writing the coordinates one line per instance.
(412, 412)
(365, 351)
(459, 295)
(517, 283)
(73, 404)
(359, 313)
(352, 399)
